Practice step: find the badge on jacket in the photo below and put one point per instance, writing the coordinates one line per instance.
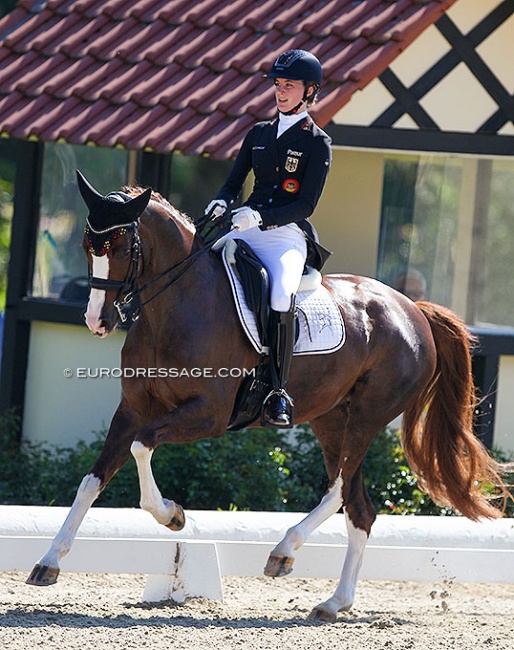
(291, 164)
(291, 185)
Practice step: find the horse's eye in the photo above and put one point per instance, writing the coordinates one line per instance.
(122, 254)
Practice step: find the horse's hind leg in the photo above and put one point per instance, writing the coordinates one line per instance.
(281, 559)
(353, 424)
(115, 453)
(344, 453)
(358, 524)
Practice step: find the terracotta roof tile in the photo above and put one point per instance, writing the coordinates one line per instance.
(174, 74)
(149, 11)
(77, 42)
(64, 81)
(20, 39)
(93, 85)
(263, 17)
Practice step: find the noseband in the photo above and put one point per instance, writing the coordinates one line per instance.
(127, 301)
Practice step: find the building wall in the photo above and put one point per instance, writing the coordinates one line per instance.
(60, 409)
(63, 410)
(459, 101)
(347, 217)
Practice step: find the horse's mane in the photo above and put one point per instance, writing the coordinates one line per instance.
(175, 213)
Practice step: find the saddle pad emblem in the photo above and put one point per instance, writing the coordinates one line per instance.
(321, 326)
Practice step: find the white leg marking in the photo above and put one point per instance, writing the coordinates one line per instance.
(297, 535)
(97, 296)
(345, 593)
(151, 499)
(87, 493)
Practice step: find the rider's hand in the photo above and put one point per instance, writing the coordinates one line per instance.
(245, 218)
(216, 208)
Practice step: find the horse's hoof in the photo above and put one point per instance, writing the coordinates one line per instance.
(43, 576)
(278, 566)
(322, 615)
(179, 519)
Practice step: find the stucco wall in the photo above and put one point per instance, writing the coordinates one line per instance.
(347, 217)
(61, 409)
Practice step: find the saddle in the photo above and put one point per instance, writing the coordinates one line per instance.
(255, 282)
(256, 286)
(319, 328)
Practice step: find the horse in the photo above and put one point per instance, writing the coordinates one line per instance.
(399, 357)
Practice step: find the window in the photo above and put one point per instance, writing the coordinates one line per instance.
(195, 181)
(60, 270)
(7, 173)
(447, 228)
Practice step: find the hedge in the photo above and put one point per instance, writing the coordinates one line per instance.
(254, 469)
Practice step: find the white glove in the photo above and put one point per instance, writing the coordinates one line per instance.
(245, 218)
(218, 207)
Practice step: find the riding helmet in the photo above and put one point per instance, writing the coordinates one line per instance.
(297, 64)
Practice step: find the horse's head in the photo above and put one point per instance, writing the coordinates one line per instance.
(112, 246)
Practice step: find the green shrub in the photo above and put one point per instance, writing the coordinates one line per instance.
(258, 469)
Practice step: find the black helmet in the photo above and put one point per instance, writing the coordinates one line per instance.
(297, 64)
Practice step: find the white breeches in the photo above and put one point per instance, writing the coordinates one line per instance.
(283, 252)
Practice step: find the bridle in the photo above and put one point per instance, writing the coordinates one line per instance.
(127, 301)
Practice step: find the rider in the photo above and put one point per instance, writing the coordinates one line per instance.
(290, 158)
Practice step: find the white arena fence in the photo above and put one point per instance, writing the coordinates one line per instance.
(214, 544)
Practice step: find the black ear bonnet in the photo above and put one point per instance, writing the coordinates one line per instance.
(110, 216)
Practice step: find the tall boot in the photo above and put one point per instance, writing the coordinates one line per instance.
(278, 408)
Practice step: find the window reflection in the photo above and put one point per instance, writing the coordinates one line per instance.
(60, 270)
(195, 181)
(448, 223)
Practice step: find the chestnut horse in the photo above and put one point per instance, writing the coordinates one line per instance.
(399, 357)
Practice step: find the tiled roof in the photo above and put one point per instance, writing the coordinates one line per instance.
(181, 75)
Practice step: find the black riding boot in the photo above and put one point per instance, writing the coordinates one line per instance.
(278, 405)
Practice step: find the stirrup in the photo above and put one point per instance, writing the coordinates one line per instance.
(281, 420)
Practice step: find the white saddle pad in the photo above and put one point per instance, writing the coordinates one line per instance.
(321, 326)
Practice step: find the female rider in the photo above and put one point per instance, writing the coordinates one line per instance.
(290, 157)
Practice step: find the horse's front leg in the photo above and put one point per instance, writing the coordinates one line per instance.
(166, 512)
(191, 421)
(115, 453)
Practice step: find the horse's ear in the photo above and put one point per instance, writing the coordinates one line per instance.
(135, 206)
(87, 191)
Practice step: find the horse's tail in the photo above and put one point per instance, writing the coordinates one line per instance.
(451, 464)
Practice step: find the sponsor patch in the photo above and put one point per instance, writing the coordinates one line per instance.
(291, 185)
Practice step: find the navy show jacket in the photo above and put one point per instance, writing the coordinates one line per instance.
(290, 172)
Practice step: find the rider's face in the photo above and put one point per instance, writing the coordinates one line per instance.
(288, 93)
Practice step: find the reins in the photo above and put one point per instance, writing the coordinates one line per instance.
(192, 258)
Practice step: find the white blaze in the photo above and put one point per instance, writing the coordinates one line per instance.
(97, 296)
